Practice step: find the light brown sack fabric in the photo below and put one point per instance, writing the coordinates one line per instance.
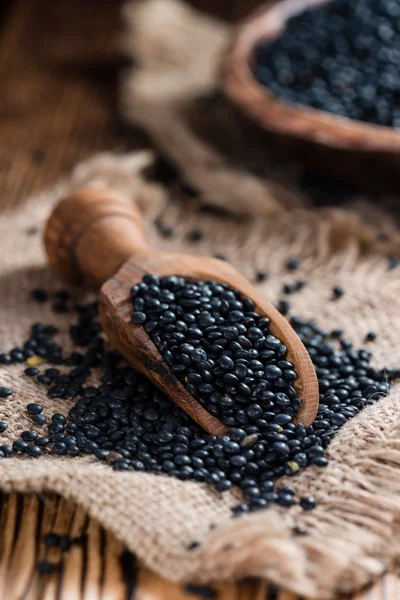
(353, 533)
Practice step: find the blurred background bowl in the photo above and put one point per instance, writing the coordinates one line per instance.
(336, 145)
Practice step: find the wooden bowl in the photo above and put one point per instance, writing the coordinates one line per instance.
(315, 136)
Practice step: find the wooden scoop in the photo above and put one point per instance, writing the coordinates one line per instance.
(98, 236)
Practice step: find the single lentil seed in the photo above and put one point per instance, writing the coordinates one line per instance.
(337, 291)
(34, 361)
(5, 392)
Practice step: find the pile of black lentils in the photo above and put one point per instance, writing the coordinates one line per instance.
(341, 57)
(217, 344)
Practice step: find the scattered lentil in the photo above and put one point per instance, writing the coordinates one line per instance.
(33, 451)
(189, 190)
(262, 276)
(336, 333)
(3, 426)
(39, 295)
(193, 545)
(201, 590)
(65, 543)
(33, 230)
(195, 235)
(31, 371)
(292, 264)
(34, 409)
(166, 231)
(394, 262)
(221, 257)
(300, 530)
(51, 539)
(29, 436)
(337, 291)
(39, 155)
(45, 567)
(371, 336)
(5, 392)
(308, 503)
(284, 307)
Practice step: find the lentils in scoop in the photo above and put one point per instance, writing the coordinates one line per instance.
(341, 57)
(220, 348)
(128, 423)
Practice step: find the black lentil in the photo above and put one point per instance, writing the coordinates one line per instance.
(33, 230)
(371, 336)
(261, 276)
(34, 409)
(31, 371)
(292, 264)
(33, 450)
(39, 419)
(166, 231)
(65, 543)
(39, 295)
(19, 446)
(51, 539)
(340, 57)
(17, 355)
(29, 436)
(193, 545)
(42, 441)
(45, 567)
(5, 392)
(3, 426)
(284, 307)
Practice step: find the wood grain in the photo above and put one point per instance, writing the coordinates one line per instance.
(58, 67)
(98, 567)
(359, 141)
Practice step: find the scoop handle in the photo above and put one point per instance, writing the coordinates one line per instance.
(91, 233)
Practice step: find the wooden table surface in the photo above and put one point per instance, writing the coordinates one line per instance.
(58, 73)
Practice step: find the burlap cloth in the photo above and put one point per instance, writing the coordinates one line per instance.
(353, 533)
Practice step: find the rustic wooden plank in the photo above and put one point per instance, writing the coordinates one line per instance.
(8, 525)
(49, 583)
(58, 67)
(151, 587)
(94, 562)
(114, 586)
(23, 560)
(49, 506)
(96, 571)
